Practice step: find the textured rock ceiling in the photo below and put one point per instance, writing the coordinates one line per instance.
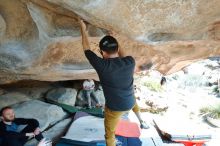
(40, 39)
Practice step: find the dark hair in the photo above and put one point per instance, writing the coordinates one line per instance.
(163, 81)
(108, 44)
(3, 109)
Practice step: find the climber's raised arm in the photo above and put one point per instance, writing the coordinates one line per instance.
(85, 39)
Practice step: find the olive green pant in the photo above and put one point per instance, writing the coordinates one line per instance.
(111, 120)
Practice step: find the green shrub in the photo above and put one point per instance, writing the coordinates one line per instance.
(216, 89)
(152, 85)
(214, 111)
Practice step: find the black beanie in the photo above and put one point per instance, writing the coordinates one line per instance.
(108, 43)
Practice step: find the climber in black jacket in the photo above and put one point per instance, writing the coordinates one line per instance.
(11, 131)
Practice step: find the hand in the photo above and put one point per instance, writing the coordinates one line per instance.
(37, 131)
(45, 142)
(82, 24)
(30, 134)
(99, 105)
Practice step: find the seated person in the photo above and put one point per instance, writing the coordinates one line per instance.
(89, 92)
(10, 130)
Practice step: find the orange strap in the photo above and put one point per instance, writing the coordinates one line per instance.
(192, 143)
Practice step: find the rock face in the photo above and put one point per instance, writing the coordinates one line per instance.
(46, 114)
(58, 130)
(12, 98)
(40, 40)
(62, 95)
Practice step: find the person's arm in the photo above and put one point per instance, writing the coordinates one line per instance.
(84, 33)
(34, 122)
(4, 132)
(14, 134)
(94, 60)
(22, 121)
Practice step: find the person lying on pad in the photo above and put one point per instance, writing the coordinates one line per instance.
(11, 132)
(116, 77)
